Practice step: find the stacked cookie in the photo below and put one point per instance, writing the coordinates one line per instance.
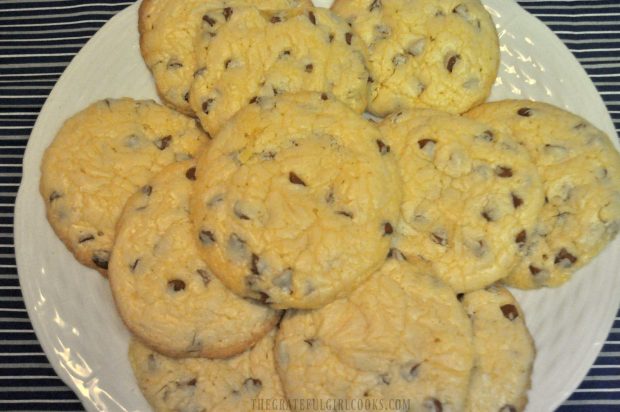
(261, 188)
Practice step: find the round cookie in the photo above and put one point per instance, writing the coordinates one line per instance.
(471, 195)
(163, 290)
(402, 335)
(504, 352)
(245, 382)
(255, 56)
(580, 169)
(296, 201)
(99, 158)
(169, 31)
(441, 54)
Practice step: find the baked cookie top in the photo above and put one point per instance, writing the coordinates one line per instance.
(504, 351)
(169, 31)
(441, 54)
(99, 158)
(402, 335)
(162, 288)
(262, 54)
(580, 169)
(244, 382)
(471, 195)
(296, 201)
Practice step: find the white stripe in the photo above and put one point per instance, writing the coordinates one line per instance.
(37, 388)
(47, 39)
(593, 402)
(17, 320)
(65, 23)
(39, 55)
(535, 4)
(8, 342)
(40, 401)
(606, 354)
(67, 7)
(602, 378)
(58, 15)
(588, 32)
(12, 310)
(598, 390)
(580, 15)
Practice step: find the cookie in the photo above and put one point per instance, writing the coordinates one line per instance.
(504, 352)
(169, 31)
(440, 54)
(259, 54)
(296, 201)
(245, 382)
(163, 290)
(401, 336)
(471, 195)
(99, 158)
(580, 169)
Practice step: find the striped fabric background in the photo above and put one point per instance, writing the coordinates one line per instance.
(38, 38)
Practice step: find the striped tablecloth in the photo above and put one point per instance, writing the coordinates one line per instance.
(38, 39)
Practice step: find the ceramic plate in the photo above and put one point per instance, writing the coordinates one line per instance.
(71, 306)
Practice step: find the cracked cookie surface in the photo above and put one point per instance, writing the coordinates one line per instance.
(169, 33)
(163, 290)
(263, 54)
(471, 195)
(244, 382)
(98, 159)
(296, 201)
(504, 351)
(580, 169)
(440, 54)
(402, 335)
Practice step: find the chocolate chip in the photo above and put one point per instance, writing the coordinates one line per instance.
(191, 382)
(329, 197)
(134, 265)
(254, 262)
(263, 297)
(206, 237)
(293, 178)
(565, 258)
(399, 59)
(284, 53)
(209, 20)
(534, 270)
(227, 13)
(204, 275)
(487, 136)
(433, 405)
(487, 215)
(451, 61)
(54, 195)
(309, 68)
(254, 99)
(345, 213)
(331, 37)
(396, 255)
(460, 296)
(376, 4)
(101, 258)
(383, 148)
(215, 200)
(206, 105)
(275, 19)
(85, 238)
(440, 240)
(507, 408)
(191, 173)
(147, 190)
(385, 378)
(252, 384)
(424, 142)
(409, 371)
(227, 63)
(524, 111)
(387, 228)
(175, 65)
(310, 341)
(239, 213)
(186, 96)
(503, 171)
(509, 311)
(521, 238)
(348, 37)
(176, 285)
(323, 96)
(580, 126)
(516, 200)
(163, 142)
(312, 17)
(284, 280)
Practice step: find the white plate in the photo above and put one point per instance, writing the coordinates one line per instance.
(71, 307)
